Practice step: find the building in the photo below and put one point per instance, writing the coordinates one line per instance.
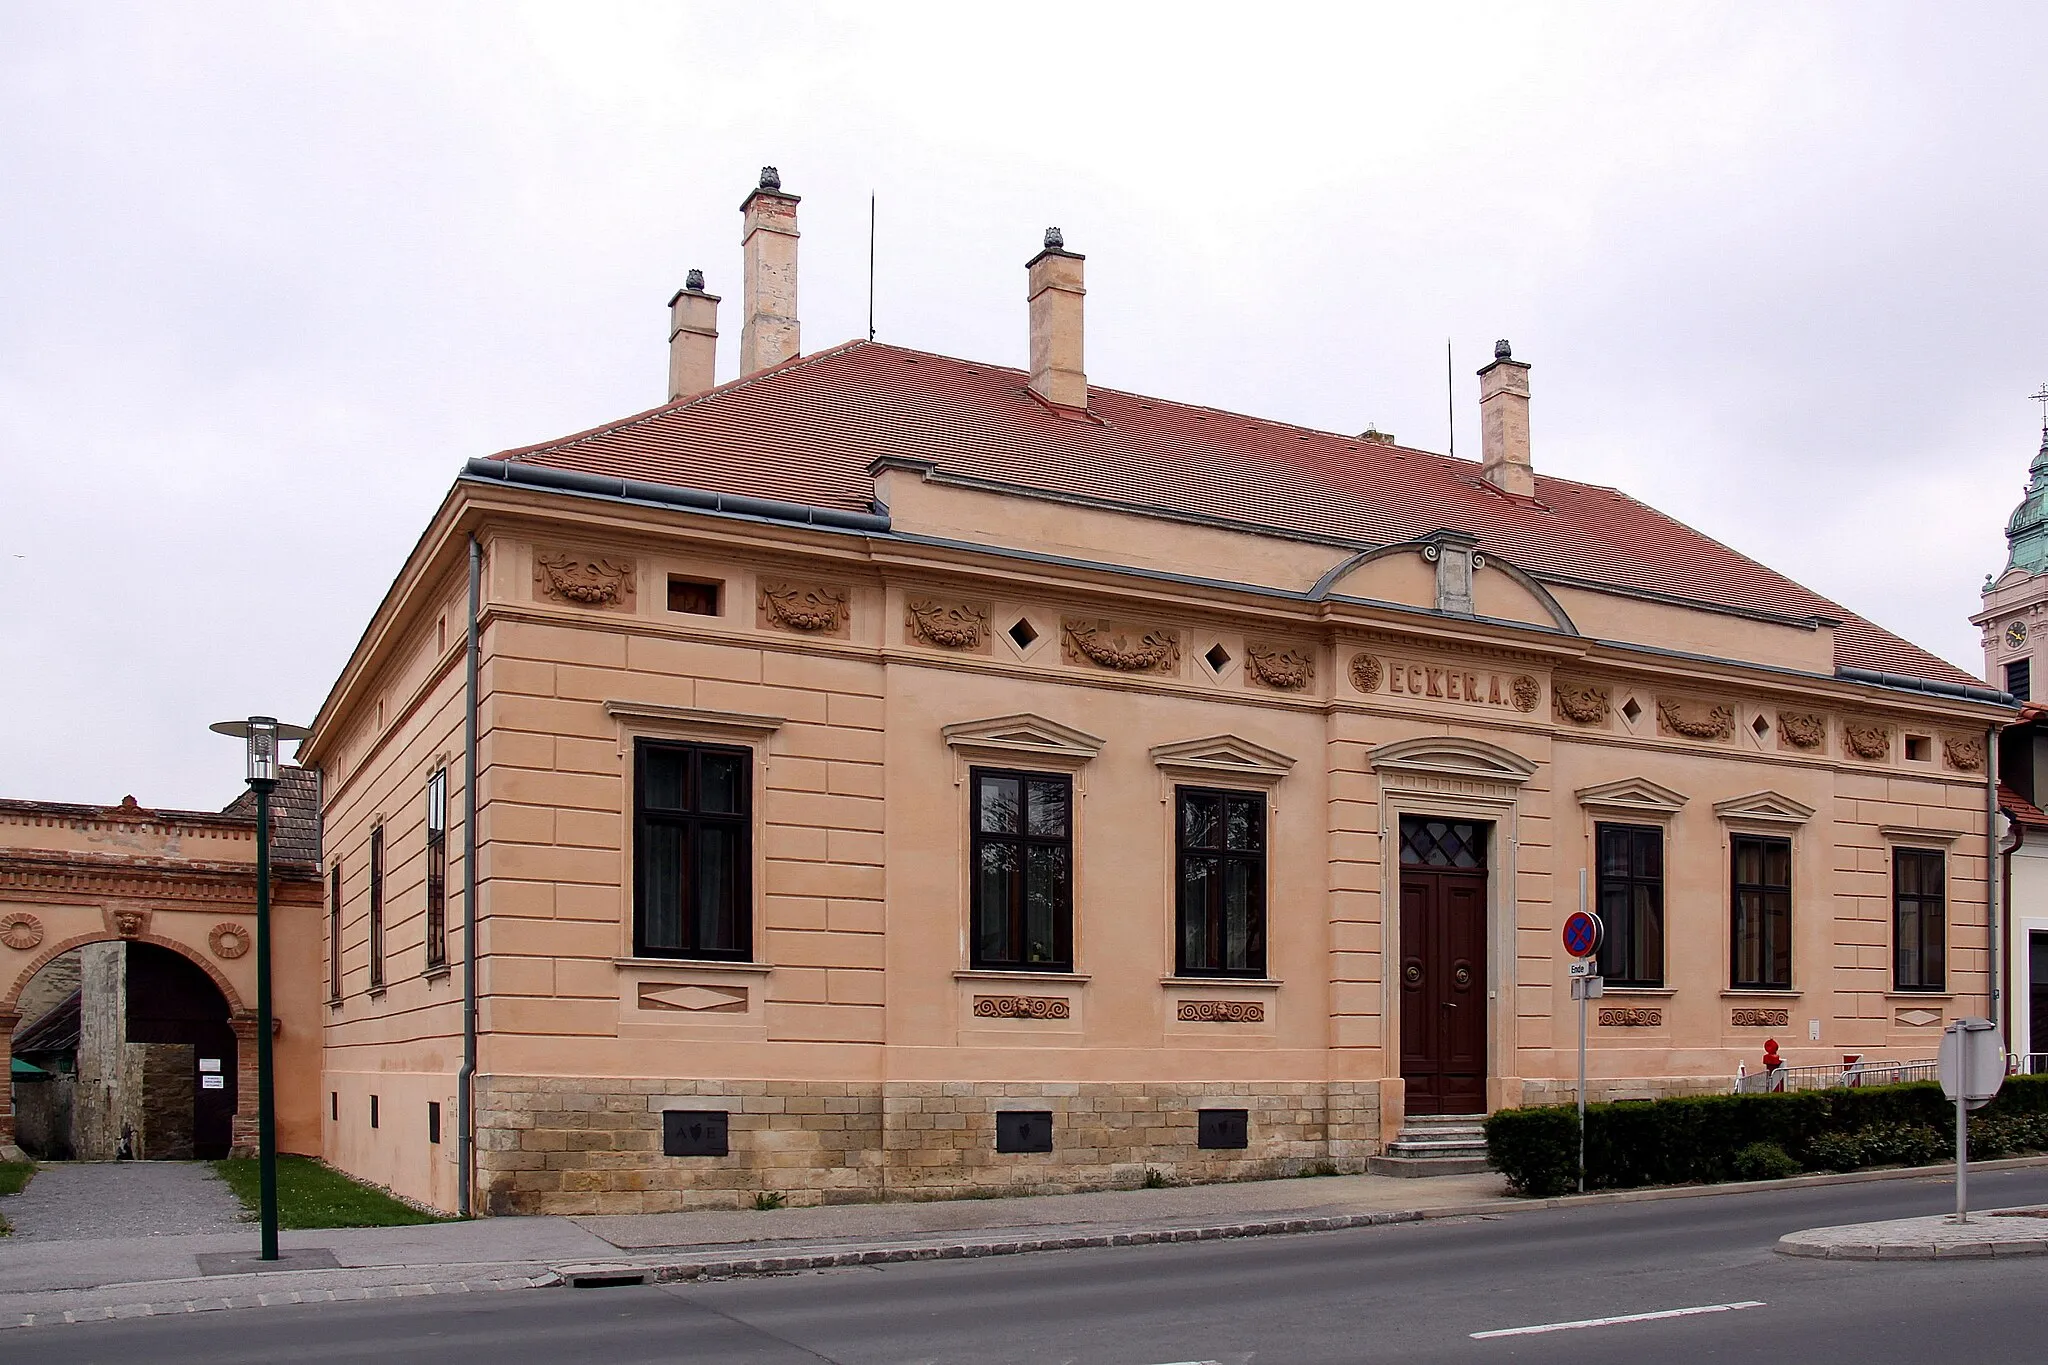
(127, 984)
(901, 776)
(2014, 633)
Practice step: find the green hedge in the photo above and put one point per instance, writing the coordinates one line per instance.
(1709, 1138)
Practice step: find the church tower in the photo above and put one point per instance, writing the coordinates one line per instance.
(2015, 614)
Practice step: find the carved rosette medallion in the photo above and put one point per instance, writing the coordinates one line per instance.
(1126, 651)
(1965, 753)
(228, 941)
(20, 931)
(586, 580)
(1365, 672)
(1632, 1018)
(1022, 1007)
(1752, 1018)
(811, 609)
(1802, 729)
(1580, 702)
(1872, 742)
(946, 625)
(1221, 1012)
(1696, 720)
(1288, 670)
(1527, 692)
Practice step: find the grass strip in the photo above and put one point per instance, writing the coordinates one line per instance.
(13, 1178)
(311, 1194)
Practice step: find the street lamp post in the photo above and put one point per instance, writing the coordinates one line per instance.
(261, 734)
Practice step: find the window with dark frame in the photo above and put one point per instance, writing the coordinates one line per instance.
(1629, 895)
(1762, 897)
(1919, 919)
(437, 869)
(434, 1122)
(377, 908)
(2019, 679)
(1023, 889)
(334, 932)
(693, 851)
(1220, 882)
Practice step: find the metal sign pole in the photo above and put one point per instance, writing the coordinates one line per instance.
(1579, 989)
(1963, 1135)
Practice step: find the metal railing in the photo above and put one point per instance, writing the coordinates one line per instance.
(2030, 1063)
(1831, 1077)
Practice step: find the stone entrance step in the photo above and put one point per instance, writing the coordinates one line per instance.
(1435, 1144)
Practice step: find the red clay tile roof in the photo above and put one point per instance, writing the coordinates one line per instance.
(2022, 811)
(806, 432)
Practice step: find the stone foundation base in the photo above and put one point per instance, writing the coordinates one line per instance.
(562, 1145)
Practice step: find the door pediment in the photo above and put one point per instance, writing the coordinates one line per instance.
(1633, 794)
(1439, 756)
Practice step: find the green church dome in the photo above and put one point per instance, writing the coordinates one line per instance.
(2027, 531)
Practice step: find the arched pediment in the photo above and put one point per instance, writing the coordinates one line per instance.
(1223, 756)
(1636, 794)
(1765, 807)
(1446, 572)
(1023, 735)
(1453, 756)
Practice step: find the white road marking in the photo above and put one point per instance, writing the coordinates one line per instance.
(1612, 1322)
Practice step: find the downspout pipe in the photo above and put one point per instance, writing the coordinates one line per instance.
(1995, 996)
(465, 1119)
(2019, 838)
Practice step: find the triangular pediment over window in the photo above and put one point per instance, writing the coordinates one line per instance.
(1024, 735)
(1450, 756)
(1637, 794)
(1224, 756)
(1766, 807)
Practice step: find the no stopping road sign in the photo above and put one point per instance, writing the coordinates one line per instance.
(1582, 933)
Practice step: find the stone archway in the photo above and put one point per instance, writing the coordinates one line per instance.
(166, 1053)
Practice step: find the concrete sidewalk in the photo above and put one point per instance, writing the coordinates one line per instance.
(1993, 1232)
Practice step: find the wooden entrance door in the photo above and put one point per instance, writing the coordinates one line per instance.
(1443, 966)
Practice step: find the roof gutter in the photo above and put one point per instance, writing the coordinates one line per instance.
(1900, 683)
(669, 495)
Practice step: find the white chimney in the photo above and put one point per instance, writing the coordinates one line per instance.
(768, 241)
(692, 339)
(1504, 423)
(1055, 289)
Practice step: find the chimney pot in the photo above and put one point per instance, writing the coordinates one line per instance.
(1504, 423)
(770, 334)
(1055, 290)
(692, 339)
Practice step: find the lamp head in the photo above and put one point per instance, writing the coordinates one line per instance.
(261, 734)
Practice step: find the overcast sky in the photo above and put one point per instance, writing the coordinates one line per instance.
(271, 273)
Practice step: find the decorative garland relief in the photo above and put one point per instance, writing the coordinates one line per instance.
(587, 580)
(1697, 720)
(1221, 1012)
(947, 625)
(1022, 1007)
(812, 609)
(1126, 651)
(1288, 670)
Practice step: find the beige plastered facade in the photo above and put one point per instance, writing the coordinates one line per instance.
(853, 1053)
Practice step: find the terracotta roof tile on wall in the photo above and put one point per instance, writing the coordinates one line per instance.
(807, 430)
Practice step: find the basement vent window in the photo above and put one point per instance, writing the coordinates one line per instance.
(693, 596)
(1218, 657)
(1919, 749)
(1761, 726)
(1220, 1130)
(373, 1111)
(1024, 1130)
(1022, 633)
(434, 1122)
(1632, 709)
(695, 1132)
(334, 1106)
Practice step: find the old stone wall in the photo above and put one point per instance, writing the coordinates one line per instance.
(159, 1095)
(42, 1117)
(1599, 1090)
(97, 1115)
(570, 1146)
(47, 988)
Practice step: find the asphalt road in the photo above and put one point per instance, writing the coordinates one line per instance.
(1414, 1292)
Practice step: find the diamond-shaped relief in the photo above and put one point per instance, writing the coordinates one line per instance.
(697, 999)
(1218, 658)
(1632, 709)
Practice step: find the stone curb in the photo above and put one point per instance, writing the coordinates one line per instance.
(1914, 1251)
(162, 1308)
